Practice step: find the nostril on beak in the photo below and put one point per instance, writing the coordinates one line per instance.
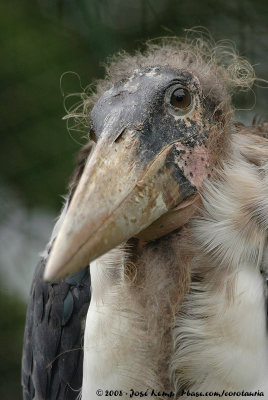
(120, 135)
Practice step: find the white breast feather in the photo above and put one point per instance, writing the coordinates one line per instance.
(219, 333)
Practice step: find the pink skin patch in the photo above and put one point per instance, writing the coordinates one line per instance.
(194, 162)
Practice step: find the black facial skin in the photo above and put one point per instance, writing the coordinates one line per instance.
(139, 107)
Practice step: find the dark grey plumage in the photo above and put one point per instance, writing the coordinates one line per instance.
(53, 357)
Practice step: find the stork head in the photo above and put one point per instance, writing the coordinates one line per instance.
(159, 133)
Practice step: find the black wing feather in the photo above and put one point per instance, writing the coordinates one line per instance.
(52, 355)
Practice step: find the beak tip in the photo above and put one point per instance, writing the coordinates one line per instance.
(50, 276)
(53, 271)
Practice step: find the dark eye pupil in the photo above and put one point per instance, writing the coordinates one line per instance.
(180, 98)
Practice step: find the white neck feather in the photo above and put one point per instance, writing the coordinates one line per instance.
(137, 337)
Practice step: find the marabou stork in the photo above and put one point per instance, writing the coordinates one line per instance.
(170, 208)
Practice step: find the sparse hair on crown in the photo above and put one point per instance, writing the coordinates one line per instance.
(220, 70)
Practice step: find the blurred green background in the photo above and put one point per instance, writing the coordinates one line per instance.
(39, 41)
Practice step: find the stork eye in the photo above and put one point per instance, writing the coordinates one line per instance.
(180, 98)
